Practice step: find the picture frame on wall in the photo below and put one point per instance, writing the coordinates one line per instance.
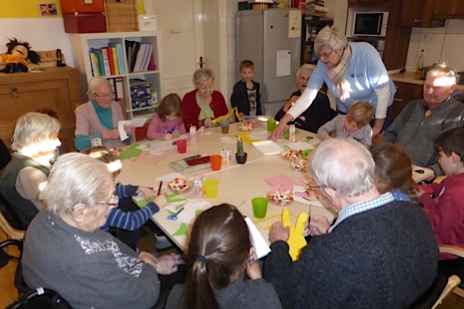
(48, 9)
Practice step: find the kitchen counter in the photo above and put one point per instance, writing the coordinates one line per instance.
(409, 77)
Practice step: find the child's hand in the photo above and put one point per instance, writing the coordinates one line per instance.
(241, 115)
(160, 200)
(253, 270)
(147, 192)
(167, 136)
(175, 133)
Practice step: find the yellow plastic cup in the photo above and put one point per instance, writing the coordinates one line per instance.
(211, 188)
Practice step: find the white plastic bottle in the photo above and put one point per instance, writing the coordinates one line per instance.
(420, 64)
(291, 133)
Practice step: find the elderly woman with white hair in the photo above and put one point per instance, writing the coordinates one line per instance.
(316, 114)
(65, 250)
(35, 140)
(353, 72)
(97, 120)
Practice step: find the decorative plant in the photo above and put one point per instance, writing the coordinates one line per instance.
(239, 145)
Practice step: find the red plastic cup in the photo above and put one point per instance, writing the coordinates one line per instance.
(216, 161)
(181, 145)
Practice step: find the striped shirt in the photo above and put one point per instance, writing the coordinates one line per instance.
(363, 206)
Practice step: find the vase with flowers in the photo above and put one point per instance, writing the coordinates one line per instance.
(240, 156)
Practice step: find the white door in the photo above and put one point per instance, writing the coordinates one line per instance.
(191, 29)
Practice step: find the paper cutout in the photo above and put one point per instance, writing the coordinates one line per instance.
(136, 122)
(130, 152)
(258, 135)
(193, 207)
(296, 240)
(182, 231)
(261, 248)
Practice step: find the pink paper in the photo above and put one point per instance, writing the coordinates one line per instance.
(147, 158)
(281, 182)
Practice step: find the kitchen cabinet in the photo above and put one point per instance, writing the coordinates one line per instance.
(405, 93)
(309, 30)
(126, 80)
(419, 13)
(56, 88)
(451, 9)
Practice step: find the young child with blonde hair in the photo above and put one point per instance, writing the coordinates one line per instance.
(355, 124)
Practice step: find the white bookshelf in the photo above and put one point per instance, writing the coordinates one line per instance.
(82, 44)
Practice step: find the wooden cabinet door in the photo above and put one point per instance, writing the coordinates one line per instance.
(419, 13)
(449, 9)
(369, 3)
(405, 93)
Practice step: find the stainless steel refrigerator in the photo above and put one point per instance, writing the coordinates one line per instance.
(270, 38)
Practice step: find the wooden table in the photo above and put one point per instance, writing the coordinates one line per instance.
(238, 184)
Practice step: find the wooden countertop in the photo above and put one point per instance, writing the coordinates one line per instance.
(409, 77)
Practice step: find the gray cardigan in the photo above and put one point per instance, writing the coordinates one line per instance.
(417, 136)
(364, 136)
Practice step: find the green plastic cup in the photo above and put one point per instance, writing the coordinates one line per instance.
(271, 123)
(259, 207)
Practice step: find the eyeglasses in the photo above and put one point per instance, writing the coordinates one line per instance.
(103, 95)
(113, 201)
(325, 55)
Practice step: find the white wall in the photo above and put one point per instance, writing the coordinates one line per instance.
(439, 44)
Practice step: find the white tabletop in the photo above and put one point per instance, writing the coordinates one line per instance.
(238, 184)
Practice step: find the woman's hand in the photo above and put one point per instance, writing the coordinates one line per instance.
(110, 134)
(280, 128)
(290, 103)
(318, 225)
(167, 263)
(207, 122)
(253, 270)
(130, 130)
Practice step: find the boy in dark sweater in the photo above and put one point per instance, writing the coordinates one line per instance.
(245, 95)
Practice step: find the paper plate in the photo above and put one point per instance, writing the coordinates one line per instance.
(180, 185)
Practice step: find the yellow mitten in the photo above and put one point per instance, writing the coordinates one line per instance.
(296, 241)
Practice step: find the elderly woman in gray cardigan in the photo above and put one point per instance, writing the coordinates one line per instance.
(97, 120)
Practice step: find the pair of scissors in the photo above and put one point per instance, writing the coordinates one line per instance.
(173, 217)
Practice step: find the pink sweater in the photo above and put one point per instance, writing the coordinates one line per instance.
(158, 127)
(88, 124)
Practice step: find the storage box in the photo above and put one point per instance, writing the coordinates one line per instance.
(84, 22)
(140, 91)
(147, 22)
(121, 16)
(81, 6)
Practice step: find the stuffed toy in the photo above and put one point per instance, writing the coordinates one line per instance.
(18, 58)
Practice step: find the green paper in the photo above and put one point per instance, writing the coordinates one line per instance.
(286, 133)
(144, 202)
(182, 231)
(130, 152)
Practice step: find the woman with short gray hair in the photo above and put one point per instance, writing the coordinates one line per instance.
(202, 105)
(35, 140)
(353, 72)
(66, 251)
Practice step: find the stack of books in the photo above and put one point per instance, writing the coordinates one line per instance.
(316, 8)
(108, 60)
(139, 56)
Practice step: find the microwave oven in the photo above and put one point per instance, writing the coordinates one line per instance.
(372, 24)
